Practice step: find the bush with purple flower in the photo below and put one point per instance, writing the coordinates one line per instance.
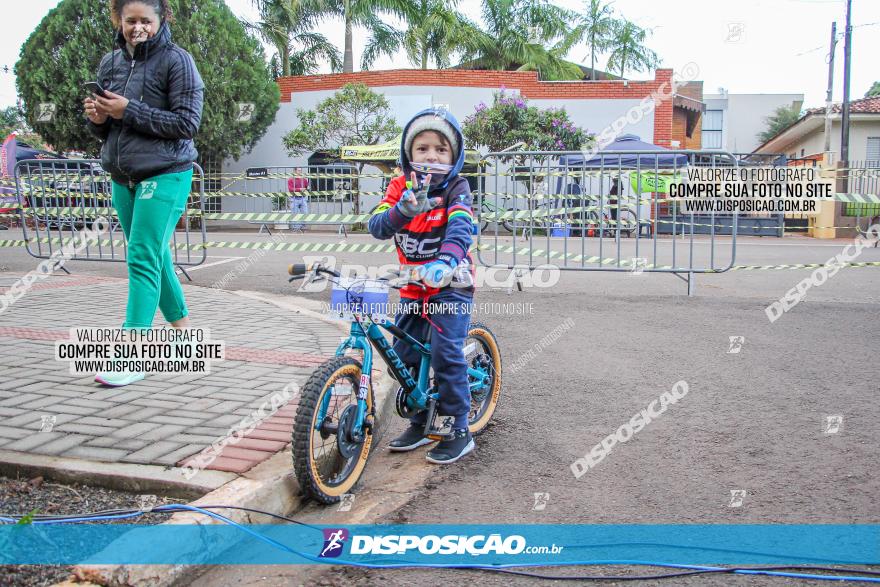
(510, 120)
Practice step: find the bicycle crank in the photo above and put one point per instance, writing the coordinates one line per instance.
(401, 404)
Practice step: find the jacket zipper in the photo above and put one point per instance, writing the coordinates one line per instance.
(122, 128)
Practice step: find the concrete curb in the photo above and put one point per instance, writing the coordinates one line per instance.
(121, 476)
(270, 486)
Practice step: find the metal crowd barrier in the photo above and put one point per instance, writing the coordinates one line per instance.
(299, 196)
(863, 194)
(58, 199)
(602, 214)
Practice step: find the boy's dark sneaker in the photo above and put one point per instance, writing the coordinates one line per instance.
(449, 451)
(411, 439)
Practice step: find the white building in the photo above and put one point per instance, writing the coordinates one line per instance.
(732, 122)
(805, 139)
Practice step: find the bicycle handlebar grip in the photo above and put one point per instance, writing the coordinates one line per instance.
(297, 269)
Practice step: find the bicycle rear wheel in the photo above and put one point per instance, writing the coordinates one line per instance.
(327, 460)
(481, 351)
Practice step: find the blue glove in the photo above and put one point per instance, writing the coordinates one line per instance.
(437, 273)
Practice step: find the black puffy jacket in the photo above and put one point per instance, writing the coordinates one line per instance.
(165, 93)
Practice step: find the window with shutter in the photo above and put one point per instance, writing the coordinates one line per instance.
(873, 151)
(713, 123)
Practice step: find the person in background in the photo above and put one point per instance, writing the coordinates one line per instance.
(612, 197)
(299, 202)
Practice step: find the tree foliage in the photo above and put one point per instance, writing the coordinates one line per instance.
(288, 26)
(781, 119)
(628, 49)
(354, 115)
(65, 49)
(527, 35)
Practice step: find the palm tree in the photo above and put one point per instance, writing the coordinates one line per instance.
(628, 48)
(596, 26)
(368, 14)
(516, 35)
(434, 35)
(287, 25)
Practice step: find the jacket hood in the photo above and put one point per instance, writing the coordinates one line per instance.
(459, 160)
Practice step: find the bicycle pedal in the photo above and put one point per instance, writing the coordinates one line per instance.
(438, 427)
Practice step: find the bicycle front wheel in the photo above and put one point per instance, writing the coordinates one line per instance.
(327, 458)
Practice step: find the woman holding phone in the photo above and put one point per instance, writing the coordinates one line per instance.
(150, 111)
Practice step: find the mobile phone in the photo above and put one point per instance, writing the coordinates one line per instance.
(95, 88)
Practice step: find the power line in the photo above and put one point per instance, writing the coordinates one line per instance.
(840, 35)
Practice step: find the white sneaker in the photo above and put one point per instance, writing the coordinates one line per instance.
(119, 378)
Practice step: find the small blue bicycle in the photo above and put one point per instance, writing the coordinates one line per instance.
(334, 421)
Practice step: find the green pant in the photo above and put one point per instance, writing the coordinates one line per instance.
(148, 214)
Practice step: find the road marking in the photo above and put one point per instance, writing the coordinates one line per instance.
(206, 265)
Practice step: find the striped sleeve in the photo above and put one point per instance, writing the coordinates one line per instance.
(386, 219)
(459, 224)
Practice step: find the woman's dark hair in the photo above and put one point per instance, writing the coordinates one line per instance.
(162, 8)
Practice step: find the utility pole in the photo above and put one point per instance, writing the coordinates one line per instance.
(844, 121)
(829, 93)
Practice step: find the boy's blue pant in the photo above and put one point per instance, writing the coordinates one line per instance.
(447, 358)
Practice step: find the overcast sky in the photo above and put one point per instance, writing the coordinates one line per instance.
(746, 46)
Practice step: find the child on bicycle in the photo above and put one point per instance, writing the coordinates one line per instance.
(431, 221)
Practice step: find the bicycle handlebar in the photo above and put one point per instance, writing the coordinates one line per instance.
(298, 270)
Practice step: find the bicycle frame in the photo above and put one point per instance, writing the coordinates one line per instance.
(365, 340)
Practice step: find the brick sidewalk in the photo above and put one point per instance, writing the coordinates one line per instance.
(165, 418)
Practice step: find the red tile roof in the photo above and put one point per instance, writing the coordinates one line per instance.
(863, 106)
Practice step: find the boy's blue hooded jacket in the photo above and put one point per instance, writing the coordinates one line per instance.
(444, 233)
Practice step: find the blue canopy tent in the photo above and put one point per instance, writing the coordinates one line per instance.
(664, 159)
(610, 160)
